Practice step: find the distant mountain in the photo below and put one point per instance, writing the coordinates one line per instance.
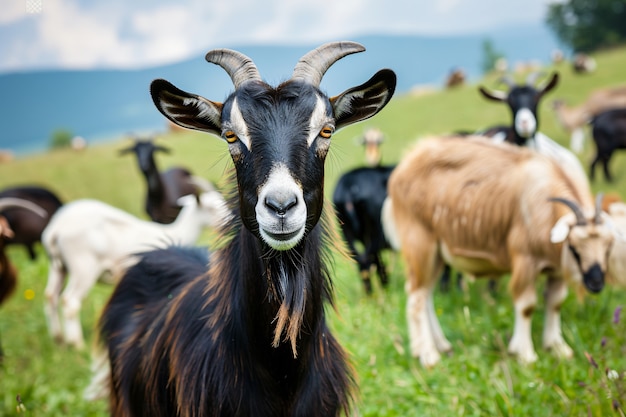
(100, 105)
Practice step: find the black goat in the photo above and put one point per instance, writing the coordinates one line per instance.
(164, 188)
(358, 199)
(26, 225)
(522, 101)
(249, 336)
(609, 133)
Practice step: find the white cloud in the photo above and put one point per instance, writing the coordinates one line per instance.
(120, 33)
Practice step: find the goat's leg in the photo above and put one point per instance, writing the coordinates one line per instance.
(421, 263)
(442, 343)
(80, 281)
(605, 166)
(592, 169)
(380, 267)
(54, 286)
(556, 292)
(522, 286)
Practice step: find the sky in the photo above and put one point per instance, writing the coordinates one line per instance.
(91, 34)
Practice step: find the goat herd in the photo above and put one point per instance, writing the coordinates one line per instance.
(240, 330)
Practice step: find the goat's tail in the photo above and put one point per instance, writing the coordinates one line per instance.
(389, 224)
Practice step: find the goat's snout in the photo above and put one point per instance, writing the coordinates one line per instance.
(281, 212)
(593, 279)
(281, 203)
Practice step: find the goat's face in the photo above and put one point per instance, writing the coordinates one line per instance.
(278, 137)
(523, 101)
(587, 245)
(144, 149)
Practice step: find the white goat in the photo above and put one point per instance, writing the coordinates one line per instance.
(91, 240)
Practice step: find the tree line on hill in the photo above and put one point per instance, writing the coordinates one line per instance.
(587, 26)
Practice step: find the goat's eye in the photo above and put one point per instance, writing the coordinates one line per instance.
(326, 132)
(230, 136)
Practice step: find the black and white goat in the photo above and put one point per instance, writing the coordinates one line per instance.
(523, 100)
(248, 336)
(164, 188)
(609, 134)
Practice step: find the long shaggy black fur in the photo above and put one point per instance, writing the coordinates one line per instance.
(186, 342)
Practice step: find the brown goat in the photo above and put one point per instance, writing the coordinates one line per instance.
(484, 208)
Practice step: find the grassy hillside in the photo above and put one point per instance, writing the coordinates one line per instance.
(479, 379)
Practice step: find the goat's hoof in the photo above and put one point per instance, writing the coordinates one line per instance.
(527, 358)
(430, 359)
(561, 350)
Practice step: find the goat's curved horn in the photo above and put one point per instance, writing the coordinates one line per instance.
(239, 67)
(580, 217)
(10, 202)
(531, 79)
(505, 79)
(596, 217)
(314, 64)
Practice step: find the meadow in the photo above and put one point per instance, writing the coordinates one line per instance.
(40, 378)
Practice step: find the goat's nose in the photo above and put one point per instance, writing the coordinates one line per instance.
(281, 204)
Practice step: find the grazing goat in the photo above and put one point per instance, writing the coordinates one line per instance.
(164, 188)
(358, 199)
(583, 64)
(248, 336)
(90, 240)
(441, 208)
(26, 224)
(609, 134)
(574, 118)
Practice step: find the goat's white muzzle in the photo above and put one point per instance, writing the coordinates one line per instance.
(281, 211)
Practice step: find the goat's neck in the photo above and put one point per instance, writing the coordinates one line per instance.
(293, 284)
(186, 228)
(153, 178)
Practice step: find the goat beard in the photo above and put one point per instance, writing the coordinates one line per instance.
(287, 282)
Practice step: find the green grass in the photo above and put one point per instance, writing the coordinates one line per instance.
(478, 379)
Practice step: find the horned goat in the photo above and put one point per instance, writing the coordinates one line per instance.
(522, 100)
(90, 240)
(485, 209)
(248, 336)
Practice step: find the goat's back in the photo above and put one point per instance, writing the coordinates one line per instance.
(26, 225)
(473, 193)
(610, 125)
(358, 199)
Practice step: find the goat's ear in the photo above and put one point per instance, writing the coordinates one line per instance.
(362, 102)
(550, 84)
(162, 149)
(187, 110)
(498, 96)
(560, 231)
